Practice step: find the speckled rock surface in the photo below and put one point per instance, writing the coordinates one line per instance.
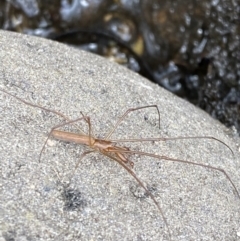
(47, 200)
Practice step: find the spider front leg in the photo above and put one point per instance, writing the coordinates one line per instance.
(129, 111)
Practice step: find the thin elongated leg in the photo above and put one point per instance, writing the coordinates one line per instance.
(126, 113)
(42, 108)
(78, 163)
(88, 120)
(132, 173)
(80, 158)
(172, 139)
(37, 106)
(182, 161)
(76, 166)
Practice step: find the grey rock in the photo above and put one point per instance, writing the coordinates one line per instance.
(50, 200)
